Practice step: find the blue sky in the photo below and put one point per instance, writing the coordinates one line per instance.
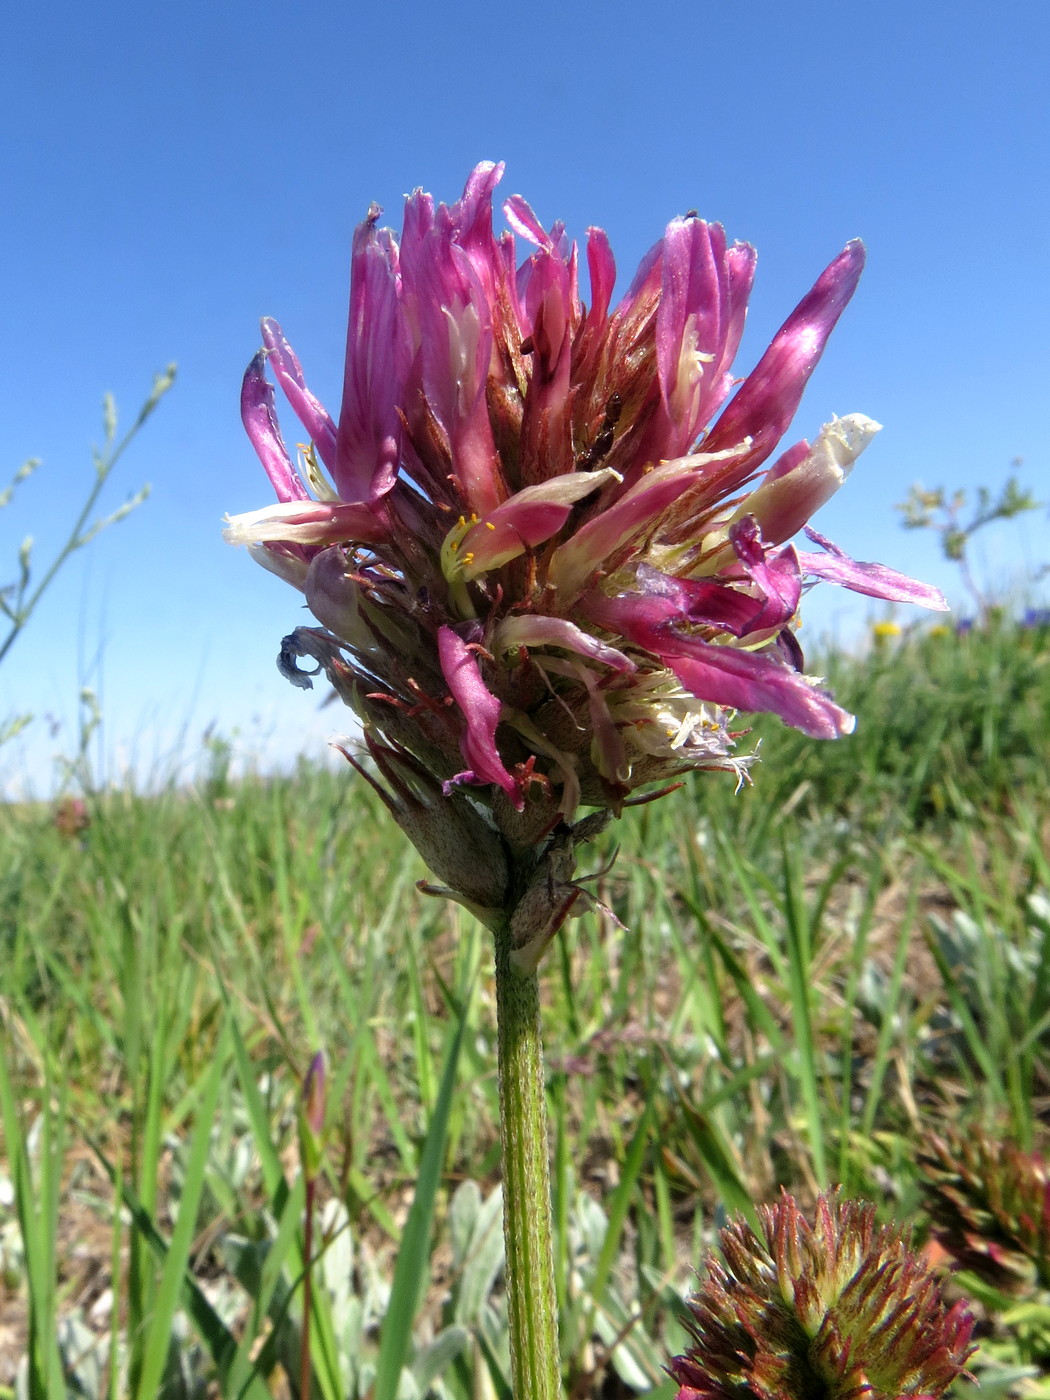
(170, 173)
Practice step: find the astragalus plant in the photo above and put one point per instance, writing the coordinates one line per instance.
(549, 549)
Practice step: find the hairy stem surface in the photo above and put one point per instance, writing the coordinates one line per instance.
(527, 1229)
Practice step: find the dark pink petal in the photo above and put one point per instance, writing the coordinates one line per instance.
(418, 221)
(369, 435)
(574, 563)
(875, 580)
(722, 675)
(481, 710)
(747, 681)
(260, 423)
(765, 403)
(740, 272)
(454, 327)
(602, 268)
(546, 430)
(777, 575)
(665, 601)
(289, 373)
(472, 220)
(472, 212)
(700, 601)
(527, 519)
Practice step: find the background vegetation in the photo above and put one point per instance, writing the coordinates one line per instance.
(801, 982)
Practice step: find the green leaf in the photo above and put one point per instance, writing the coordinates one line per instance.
(412, 1270)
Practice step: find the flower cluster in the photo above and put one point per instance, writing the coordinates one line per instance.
(989, 1202)
(544, 540)
(840, 1308)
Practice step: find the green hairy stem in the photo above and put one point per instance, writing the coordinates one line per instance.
(527, 1228)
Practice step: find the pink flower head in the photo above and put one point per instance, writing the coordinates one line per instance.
(547, 564)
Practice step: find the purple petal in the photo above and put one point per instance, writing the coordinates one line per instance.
(874, 580)
(454, 321)
(472, 212)
(481, 710)
(519, 214)
(665, 601)
(289, 374)
(699, 601)
(690, 328)
(260, 423)
(369, 437)
(740, 270)
(602, 267)
(472, 220)
(765, 403)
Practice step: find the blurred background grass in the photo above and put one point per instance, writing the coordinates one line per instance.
(810, 975)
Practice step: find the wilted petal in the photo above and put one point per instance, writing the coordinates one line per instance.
(534, 630)
(289, 562)
(305, 522)
(794, 490)
(777, 575)
(875, 580)
(481, 710)
(451, 836)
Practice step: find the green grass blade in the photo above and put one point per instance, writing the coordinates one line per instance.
(619, 1206)
(176, 1261)
(807, 1052)
(413, 1260)
(37, 1227)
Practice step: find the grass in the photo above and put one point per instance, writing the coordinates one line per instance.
(812, 973)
